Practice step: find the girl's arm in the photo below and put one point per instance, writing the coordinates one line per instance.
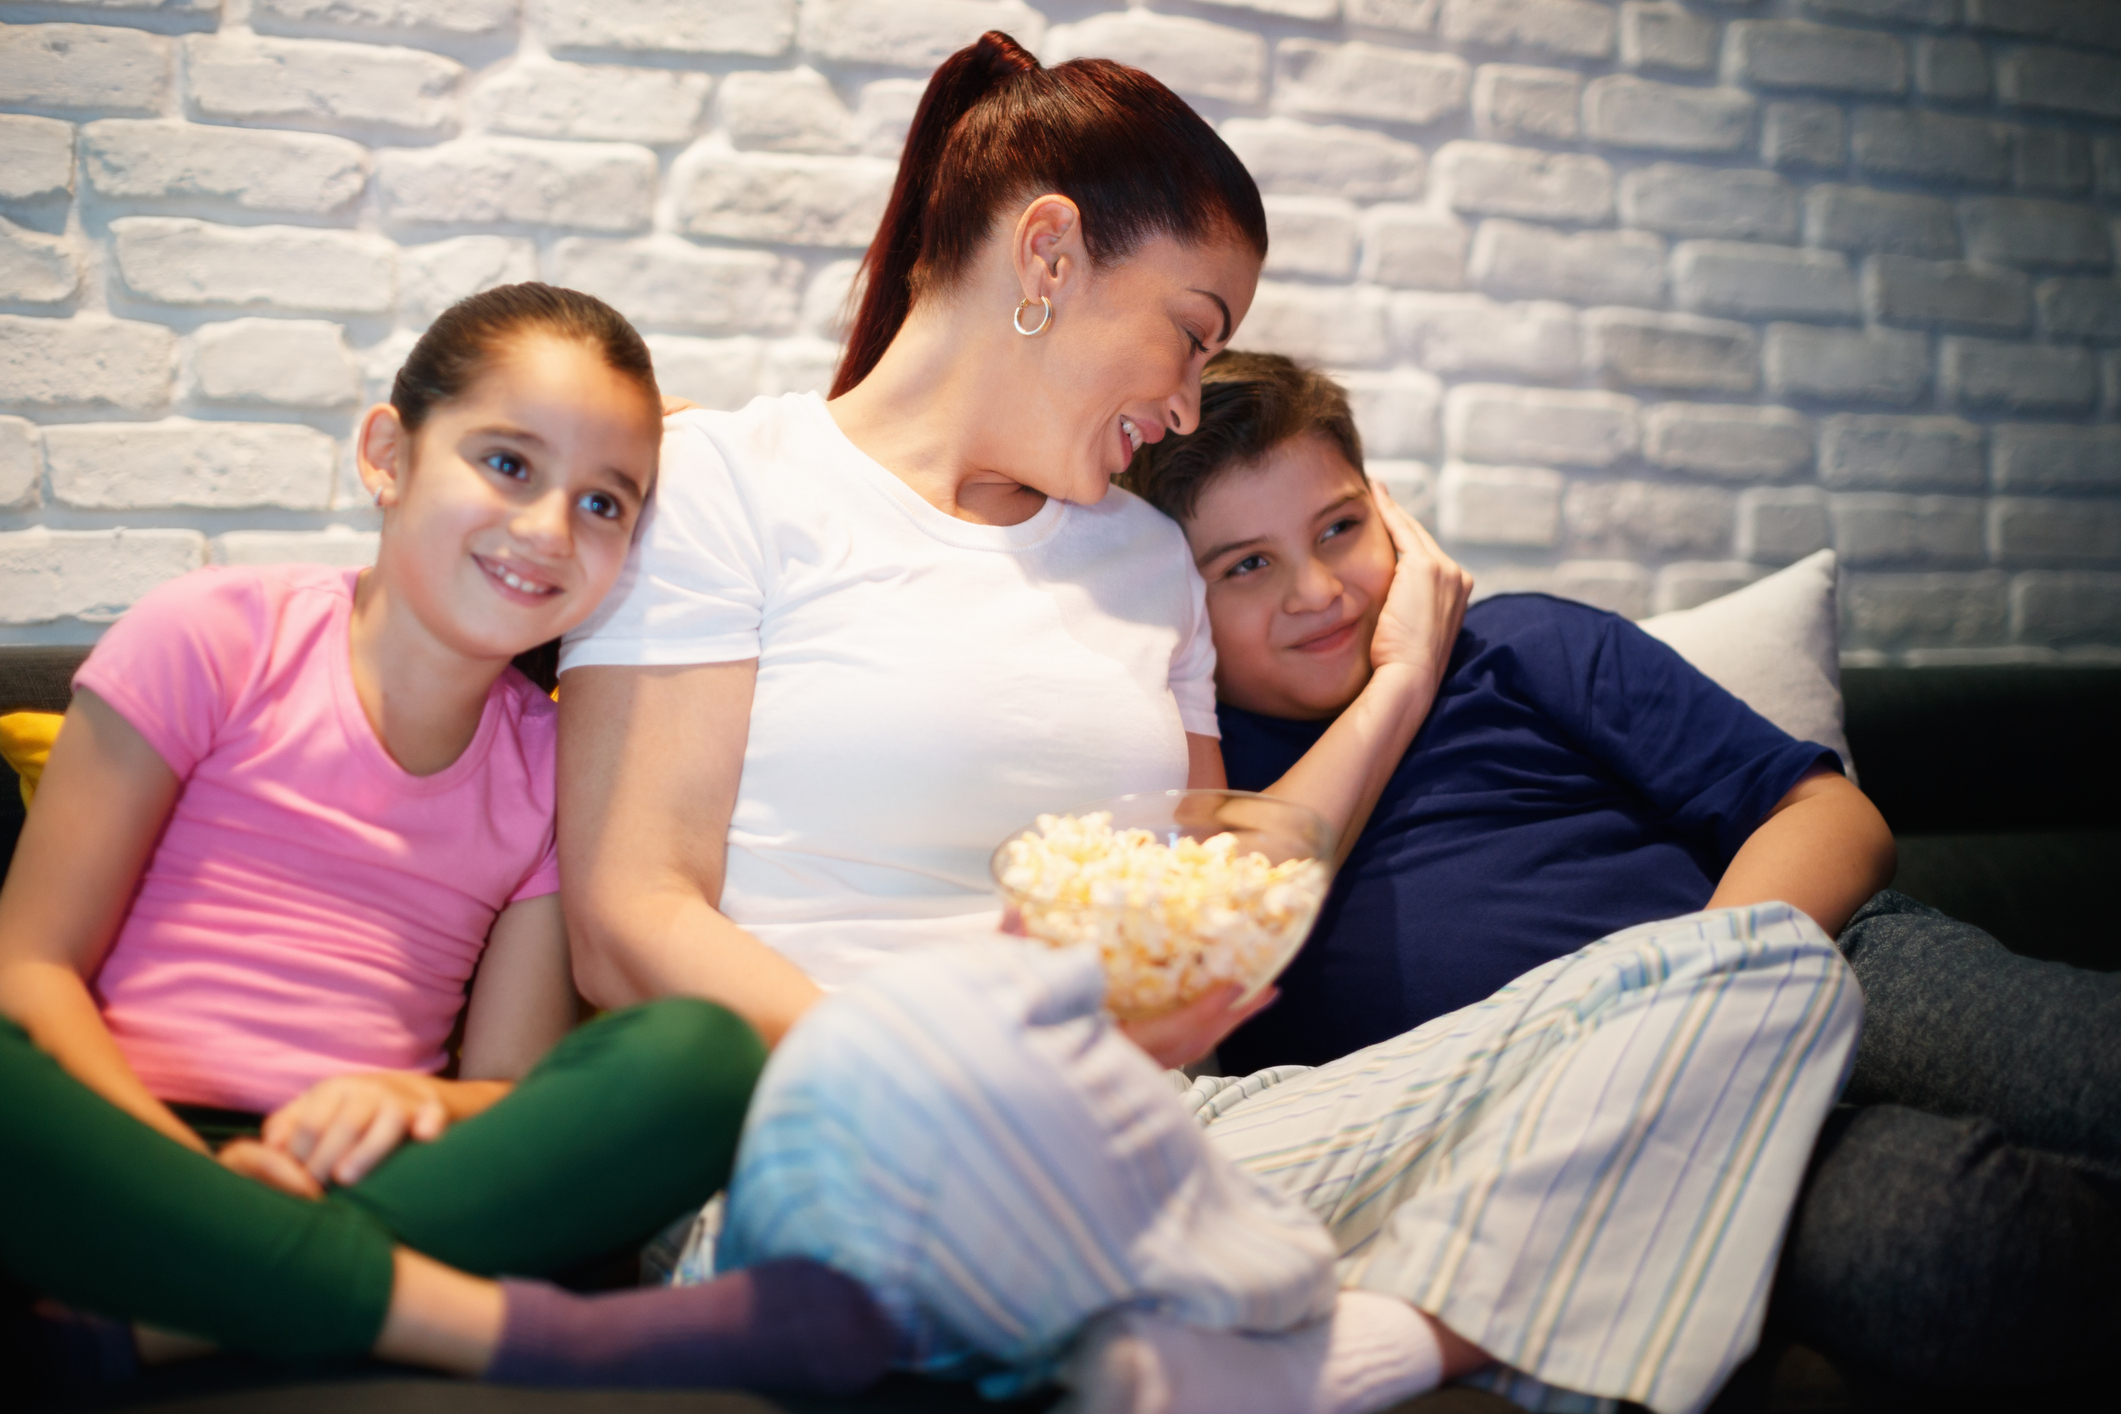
(650, 759)
(104, 799)
(1824, 849)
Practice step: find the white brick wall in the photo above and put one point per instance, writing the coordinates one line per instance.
(1636, 300)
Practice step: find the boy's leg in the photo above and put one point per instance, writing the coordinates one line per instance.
(1958, 1025)
(111, 1217)
(1587, 1175)
(630, 1121)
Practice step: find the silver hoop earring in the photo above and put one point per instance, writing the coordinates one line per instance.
(1016, 320)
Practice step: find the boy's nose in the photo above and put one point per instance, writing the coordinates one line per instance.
(1314, 587)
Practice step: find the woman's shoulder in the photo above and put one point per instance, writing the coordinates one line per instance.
(1126, 518)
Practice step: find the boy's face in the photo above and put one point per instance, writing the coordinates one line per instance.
(1297, 563)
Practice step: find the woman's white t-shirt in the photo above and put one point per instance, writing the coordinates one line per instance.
(925, 685)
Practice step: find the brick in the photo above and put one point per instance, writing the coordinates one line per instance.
(94, 575)
(666, 26)
(130, 159)
(104, 365)
(2077, 308)
(36, 158)
(1779, 526)
(1375, 81)
(1664, 36)
(1311, 159)
(296, 82)
(184, 262)
(884, 115)
(123, 466)
(1310, 235)
(1640, 519)
(1803, 133)
(380, 363)
(1930, 610)
(1846, 366)
(2069, 21)
(1626, 111)
(910, 34)
(1488, 422)
(1795, 54)
(1340, 325)
(1498, 505)
(21, 462)
(785, 110)
(2051, 160)
(2065, 608)
(1395, 411)
(1904, 12)
(2031, 456)
(1871, 452)
(1946, 294)
(2061, 81)
(1411, 247)
(1681, 200)
(827, 309)
(1411, 484)
(2110, 380)
(36, 268)
(1295, 9)
(2016, 230)
(1511, 258)
(2048, 530)
(673, 284)
(1691, 583)
(2014, 377)
(601, 186)
(2106, 166)
(1895, 223)
(1470, 334)
(1885, 528)
(1726, 441)
(1518, 100)
(1955, 70)
(1570, 27)
(1407, 16)
(338, 545)
(1640, 348)
(798, 365)
(1192, 56)
(296, 363)
(1895, 142)
(1613, 585)
(1750, 281)
(100, 69)
(436, 275)
(817, 201)
(597, 102)
(459, 19)
(1491, 179)
(715, 373)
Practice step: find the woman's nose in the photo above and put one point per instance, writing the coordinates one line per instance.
(1182, 408)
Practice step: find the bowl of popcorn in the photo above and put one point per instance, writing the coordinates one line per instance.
(1179, 891)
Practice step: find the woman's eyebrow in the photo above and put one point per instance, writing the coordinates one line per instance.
(1219, 304)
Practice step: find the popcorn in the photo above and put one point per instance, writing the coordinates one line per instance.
(1170, 920)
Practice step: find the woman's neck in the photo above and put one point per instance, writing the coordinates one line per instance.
(423, 699)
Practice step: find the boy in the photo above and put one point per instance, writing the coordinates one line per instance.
(1575, 777)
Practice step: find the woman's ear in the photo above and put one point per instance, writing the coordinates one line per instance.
(383, 453)
(1048, 249)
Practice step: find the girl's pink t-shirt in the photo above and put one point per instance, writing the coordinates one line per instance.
(312, 908)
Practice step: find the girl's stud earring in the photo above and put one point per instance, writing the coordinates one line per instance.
(1016, 320)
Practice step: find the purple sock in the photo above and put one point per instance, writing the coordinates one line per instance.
(70, 1350)
(788, 1325)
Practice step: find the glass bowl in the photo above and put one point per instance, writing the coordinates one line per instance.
(1179, 890)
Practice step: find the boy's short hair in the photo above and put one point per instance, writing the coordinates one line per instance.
(1250, 403)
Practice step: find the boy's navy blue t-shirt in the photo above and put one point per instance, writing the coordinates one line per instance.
(1575, 777)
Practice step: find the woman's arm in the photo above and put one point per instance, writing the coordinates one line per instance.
(101, 806)
(650, 759)
(1824, 849)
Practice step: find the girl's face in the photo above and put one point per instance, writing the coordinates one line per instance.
(1298, 564)
(508, 515)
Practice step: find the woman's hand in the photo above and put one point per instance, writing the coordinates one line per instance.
(1427, 601)
(1182, 1037)
(339, 1129)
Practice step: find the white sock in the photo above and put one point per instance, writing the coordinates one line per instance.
(1373, 1352)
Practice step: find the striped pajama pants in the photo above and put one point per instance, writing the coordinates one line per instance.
(1587, 1175)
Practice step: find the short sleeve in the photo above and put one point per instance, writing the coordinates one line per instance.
(693, 590)
(175, 665)
(1193, 662)
(545, 879)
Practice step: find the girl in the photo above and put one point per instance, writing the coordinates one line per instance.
(294, 811)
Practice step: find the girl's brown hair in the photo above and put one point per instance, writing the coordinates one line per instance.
(995, 126)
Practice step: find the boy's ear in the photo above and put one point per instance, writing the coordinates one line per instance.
(383, 453)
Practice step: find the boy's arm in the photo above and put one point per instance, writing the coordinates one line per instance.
(1824, 849)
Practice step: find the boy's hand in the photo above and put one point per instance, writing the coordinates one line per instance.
(1427, 601)
(1182, 1037)
(339, 1129)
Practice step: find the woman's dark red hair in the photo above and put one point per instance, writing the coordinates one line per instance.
(995, 126)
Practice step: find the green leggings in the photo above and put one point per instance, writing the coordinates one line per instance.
(630, 1121)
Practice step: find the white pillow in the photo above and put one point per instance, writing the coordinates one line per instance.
(1775, 646)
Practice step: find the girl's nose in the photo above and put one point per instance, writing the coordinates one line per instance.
(543, 523)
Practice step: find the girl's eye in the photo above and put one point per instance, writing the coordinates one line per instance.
(602, 505)
(1248, 565)
(509, 465)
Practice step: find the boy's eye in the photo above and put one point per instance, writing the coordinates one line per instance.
(1340, 527)
(509, 465)
(1248, 565)
(602, 504)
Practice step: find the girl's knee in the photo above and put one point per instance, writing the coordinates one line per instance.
(679, 1052)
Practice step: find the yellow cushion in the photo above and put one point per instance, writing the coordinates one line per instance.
(26, 741)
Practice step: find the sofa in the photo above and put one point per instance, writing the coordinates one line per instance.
(2003, 788)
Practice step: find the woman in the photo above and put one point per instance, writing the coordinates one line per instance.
(863, 640)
